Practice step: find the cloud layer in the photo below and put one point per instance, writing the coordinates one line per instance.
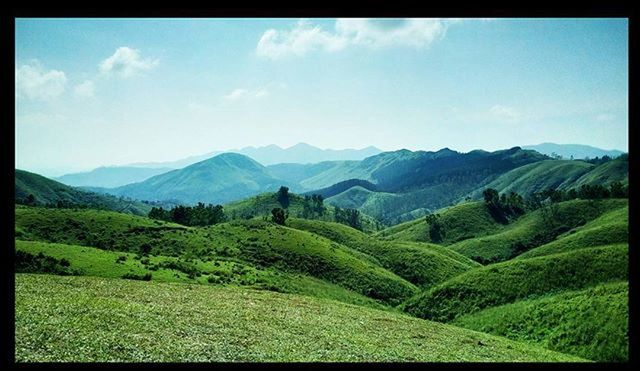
(374, 33)
(33, 82)
(126, 62)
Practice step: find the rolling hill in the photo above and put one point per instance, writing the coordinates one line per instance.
(49, 192)
(535, 229)
(558, 174)
(591, 323)
(511, 281)
(261, 245)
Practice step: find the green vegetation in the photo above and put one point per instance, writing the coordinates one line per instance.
(36, 190)
(460, 222)
(422, 264)
(191, 216)
(535, 229)
(592, 323)
(557, 174)
(511, 281)
(133, 321)
(307, 207)
(610, 228)
(224, 178)
(257, 243)
(89, 261)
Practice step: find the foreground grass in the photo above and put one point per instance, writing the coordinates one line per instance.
(95, 319)
(592, 323)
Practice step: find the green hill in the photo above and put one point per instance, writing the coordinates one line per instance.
(220, 179)
(461, 222)
(610, 228)
(424, 265)
(591, 323)
(90, 261)
(507, 282)
(46, 191)
(260, 206)
(557, 174)
(409, 184)
(535, 229)
(131, 321)
(260, 244)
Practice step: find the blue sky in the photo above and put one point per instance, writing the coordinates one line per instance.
(94, 92)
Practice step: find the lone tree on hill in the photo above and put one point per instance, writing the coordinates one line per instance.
(436, 228)
(283, 196)
(279, 215)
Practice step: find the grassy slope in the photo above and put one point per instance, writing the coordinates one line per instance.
(422, 264)
(610, 228)
(591, 323)
(533, 230)
(538, 176)
(461, 222)
(606, 173)
(257, 243)
(261, 206)
(101, 263)
(511, 281)
(561, 174)
(47, 191)
(91, 319)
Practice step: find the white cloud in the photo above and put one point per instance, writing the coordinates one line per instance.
(33, 82)
(505, 112)
(374, 33)
(126, 62)
(85, 89)
(238, 94)
(301, 39)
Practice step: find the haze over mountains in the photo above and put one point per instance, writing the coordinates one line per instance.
(301, 153)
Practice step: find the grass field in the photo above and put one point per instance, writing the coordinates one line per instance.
(109, 264)
(95, 319)
(535, 229)
(610, 228)
(591, 323)
(422, 264)
(507, 282)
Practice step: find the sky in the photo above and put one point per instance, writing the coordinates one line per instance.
(102, 92)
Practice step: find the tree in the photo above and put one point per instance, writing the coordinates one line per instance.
(279, 216)
(436, 228)
(283, 196)
(30, 200)
(617, 190)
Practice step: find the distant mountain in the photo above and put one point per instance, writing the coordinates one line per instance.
(46, 191)
(110, 177)
(578, 151)
(300, 153)
(303, 153)
(223, 178)
(409, 183)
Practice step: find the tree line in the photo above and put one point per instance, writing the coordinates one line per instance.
(198, 215)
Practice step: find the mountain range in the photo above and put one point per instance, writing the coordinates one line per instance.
(573, 151)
